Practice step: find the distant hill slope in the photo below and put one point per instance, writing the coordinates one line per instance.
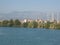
(23, 15)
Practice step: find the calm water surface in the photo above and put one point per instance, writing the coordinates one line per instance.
(29, 36)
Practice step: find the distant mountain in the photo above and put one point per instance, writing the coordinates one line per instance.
(23, 15)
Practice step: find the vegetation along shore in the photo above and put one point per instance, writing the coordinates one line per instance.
(30, 23)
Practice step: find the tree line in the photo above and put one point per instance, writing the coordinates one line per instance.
(33, 24)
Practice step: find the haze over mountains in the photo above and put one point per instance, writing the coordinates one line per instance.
(27, 15)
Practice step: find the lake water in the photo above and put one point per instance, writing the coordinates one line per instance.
(29, 36)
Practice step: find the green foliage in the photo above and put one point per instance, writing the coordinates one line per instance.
(5, 23)
(11, 23)
(57, 26)
(41, 25)
(0, 24)
(47, 25)
(30, 25)
(34, 24)
(25, 24)
(17, 23)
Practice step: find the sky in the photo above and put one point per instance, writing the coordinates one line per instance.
(7, 6)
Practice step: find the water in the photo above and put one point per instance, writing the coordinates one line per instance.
(29, 36)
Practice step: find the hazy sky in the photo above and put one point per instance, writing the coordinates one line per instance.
(29, 5)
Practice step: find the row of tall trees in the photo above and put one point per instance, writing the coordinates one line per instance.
(17, 23)
(10, 23)
(33, 24)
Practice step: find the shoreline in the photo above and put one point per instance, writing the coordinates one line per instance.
(30, 24)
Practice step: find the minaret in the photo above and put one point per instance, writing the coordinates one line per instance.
(52, 17)
(57, 18)
(48, 16)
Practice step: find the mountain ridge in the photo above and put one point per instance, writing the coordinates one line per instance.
(24, 15)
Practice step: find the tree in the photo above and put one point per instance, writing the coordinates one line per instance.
(0, 24)
(30, 25)
(17, 23)
(25, 24)
(34, 24)
(57, 26)
(11, 23)
(47, 25)
(41, 25)
(5, 23)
